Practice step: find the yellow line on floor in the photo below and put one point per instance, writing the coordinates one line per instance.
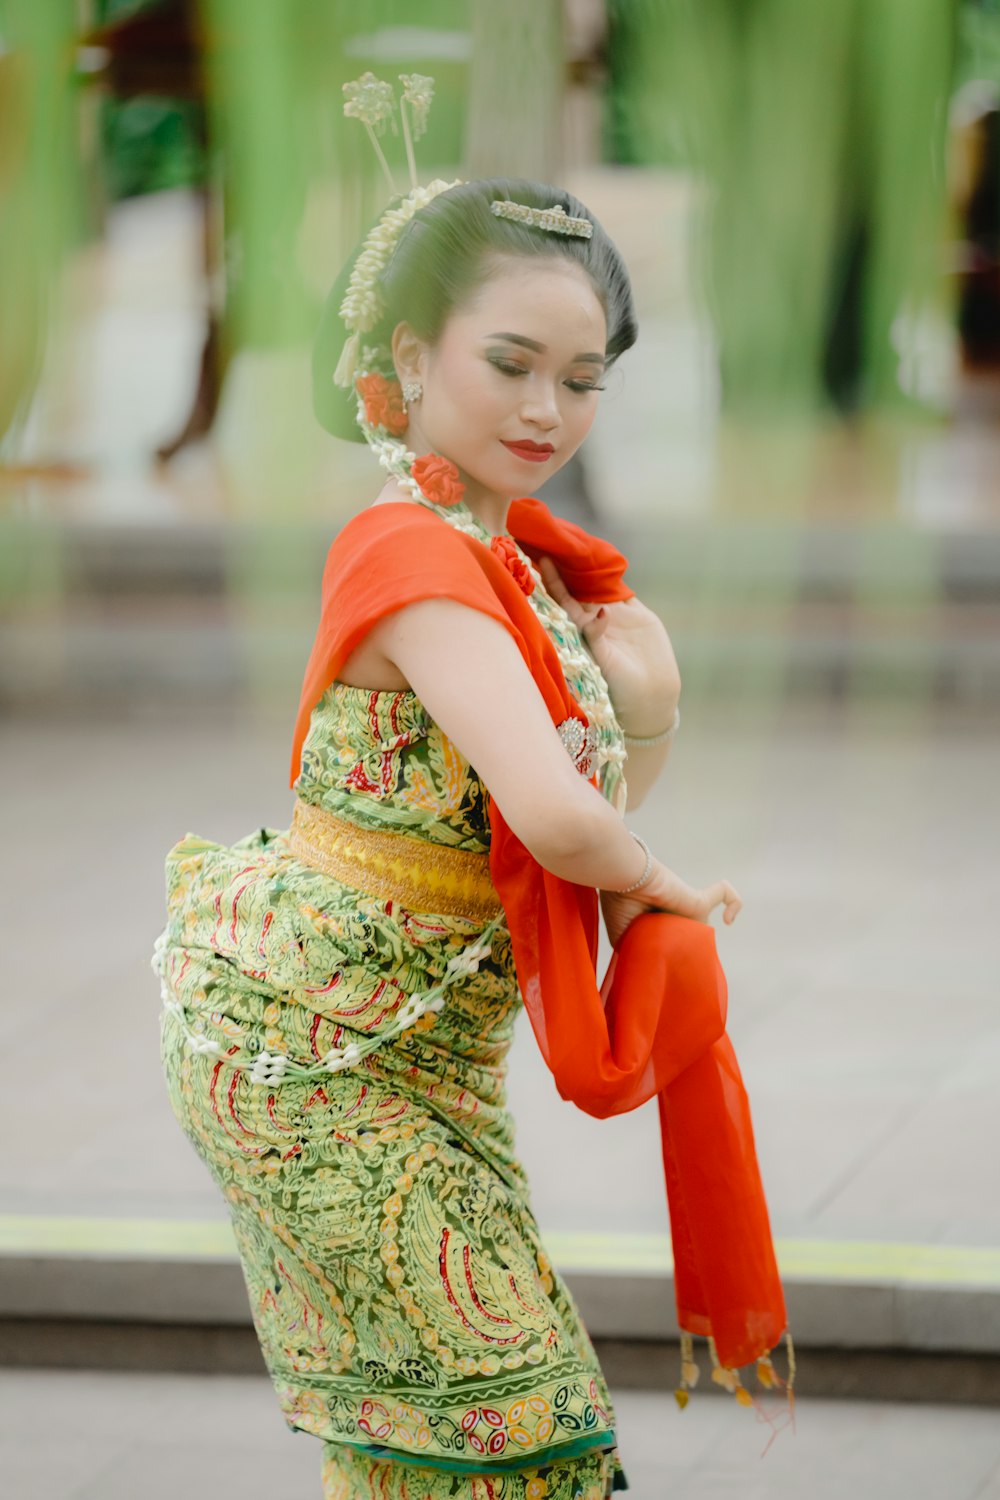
(55, 1234)
(642, 1254)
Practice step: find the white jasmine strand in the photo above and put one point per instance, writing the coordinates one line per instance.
(269, 1068)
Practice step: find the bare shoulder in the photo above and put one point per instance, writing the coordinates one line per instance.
(392, 493)
(369, 664)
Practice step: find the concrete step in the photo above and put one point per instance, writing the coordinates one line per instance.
(913, 1322)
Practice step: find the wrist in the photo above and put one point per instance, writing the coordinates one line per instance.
(645, 875)
(653, 721)
(649, 712)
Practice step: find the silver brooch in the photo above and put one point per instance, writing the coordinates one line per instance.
(581, 743)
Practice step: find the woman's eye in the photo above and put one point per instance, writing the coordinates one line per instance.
(508, 366)
(511, 367)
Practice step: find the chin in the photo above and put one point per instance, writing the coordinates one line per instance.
(506, 483)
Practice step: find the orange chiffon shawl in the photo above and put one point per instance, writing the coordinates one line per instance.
(656, 1026)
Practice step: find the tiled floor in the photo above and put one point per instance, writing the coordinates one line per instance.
(103, 1436)
(862, 969)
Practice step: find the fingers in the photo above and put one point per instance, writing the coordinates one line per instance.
(553, 580)
(723, 893)
(582, 615)
(618, 913)
(729, 898)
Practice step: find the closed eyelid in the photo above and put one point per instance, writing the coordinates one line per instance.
(505, 365)
(501, 359)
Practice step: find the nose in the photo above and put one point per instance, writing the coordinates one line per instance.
(540, 407)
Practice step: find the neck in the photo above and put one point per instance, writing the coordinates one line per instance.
(487, 507)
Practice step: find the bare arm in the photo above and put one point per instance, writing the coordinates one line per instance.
(471, 677)
(645, 762)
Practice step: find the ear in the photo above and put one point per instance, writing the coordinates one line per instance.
(407, 353)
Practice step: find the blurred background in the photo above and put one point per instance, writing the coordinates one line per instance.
(801, 457)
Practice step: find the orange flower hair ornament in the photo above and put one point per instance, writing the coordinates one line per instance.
(383, 400)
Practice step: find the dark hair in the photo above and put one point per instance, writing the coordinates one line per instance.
(442, 256)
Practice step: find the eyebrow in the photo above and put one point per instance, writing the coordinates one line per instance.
(519, 338)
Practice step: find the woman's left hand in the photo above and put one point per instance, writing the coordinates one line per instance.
(630, 645)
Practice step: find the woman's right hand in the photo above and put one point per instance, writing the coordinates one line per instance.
(666, 891)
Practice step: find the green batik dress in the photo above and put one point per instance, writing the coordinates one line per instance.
(405, 1306)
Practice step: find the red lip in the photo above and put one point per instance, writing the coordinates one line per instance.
(534, 453)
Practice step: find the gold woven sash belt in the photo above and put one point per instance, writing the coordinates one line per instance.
(419, 875)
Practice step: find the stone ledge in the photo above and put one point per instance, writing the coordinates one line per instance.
(849, 1295)
(959, 1318)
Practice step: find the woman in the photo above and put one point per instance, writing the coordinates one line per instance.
(340, 997)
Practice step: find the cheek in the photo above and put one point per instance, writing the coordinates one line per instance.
(456, 381)
(580, 415)
(475, 393)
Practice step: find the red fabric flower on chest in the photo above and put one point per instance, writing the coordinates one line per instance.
(506, 549)
(383, 403)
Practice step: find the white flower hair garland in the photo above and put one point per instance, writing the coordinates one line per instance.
(363, 303)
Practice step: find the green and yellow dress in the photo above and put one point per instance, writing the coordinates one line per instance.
(338, 1059)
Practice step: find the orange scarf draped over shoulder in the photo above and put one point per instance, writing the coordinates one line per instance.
(657, 1024)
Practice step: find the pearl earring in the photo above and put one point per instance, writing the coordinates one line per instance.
(412, 391)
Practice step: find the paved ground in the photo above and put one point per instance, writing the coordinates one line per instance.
(862, 969)
(101, 1436)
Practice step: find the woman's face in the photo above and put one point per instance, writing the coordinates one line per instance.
(511, 388)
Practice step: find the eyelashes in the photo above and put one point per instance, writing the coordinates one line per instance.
(509, 367)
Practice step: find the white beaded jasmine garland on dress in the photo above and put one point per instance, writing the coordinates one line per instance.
(274, 1067)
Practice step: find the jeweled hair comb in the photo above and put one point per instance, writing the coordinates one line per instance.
(556, 219)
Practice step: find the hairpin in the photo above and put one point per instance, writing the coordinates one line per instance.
(554, 219)
(371, 100)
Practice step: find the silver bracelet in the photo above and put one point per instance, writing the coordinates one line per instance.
(646, 872)
(655, 739)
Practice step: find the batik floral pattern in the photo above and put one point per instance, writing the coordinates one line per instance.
(399, 1288)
